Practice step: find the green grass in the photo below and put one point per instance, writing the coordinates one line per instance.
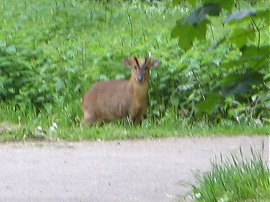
(56, 50)
(235, 180)
(23, 125)
(120, 132)
(53, 51)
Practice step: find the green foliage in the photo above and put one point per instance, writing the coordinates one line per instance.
(51, 52)
(230, 66)
(235, 180)
(27, 125)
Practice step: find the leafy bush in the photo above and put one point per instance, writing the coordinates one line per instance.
(51, 52)
(226, 60)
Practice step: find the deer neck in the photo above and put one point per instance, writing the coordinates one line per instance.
(139, 90)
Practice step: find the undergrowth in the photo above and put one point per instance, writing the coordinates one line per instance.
(235, 179)
(16, 125)
(52, 52)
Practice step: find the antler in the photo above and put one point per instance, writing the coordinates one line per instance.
(148, 54)
(147, 58)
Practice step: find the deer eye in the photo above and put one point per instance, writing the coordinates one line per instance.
(136, 67)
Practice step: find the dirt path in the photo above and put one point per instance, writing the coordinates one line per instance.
(140, 170)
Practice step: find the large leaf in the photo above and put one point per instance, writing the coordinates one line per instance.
(209, 104)
(199, 15)
(263, 14)
(241, 35)
(243, 85)
(230, 79)
(228, 4)
(257, 57)
(195, 18)
(254, 52)
(239, 15)
(194, 26)
(188, 33)
(211, 9)
(11, 50)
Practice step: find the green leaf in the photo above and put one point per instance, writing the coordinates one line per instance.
(264, 14)
(229, 79)
(60, 84)
(256, 57)
(209, 104)
(48, 107)
(243, 85)
(195, 17)
(174, 101)
(176, 31)
(239, 15)
(195, 25)
(178, 2)
(241, 35)
(228, 4)
(212, 9)
(188, 33)
(199, 15)
(255, 52)
(11, 50)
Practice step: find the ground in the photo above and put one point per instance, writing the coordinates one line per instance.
(157, 170)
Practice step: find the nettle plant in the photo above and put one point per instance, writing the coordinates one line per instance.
(225, 60)
(52, 51)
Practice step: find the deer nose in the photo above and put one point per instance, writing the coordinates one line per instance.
(140, 79)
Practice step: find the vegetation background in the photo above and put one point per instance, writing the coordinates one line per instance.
(214, 77)
(214, 72)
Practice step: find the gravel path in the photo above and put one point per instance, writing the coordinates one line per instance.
(115, 171)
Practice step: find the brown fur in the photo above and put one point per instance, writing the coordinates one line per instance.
(112, 100)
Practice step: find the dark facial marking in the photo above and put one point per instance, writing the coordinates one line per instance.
(136, 60)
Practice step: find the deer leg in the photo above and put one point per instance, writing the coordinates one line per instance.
(89, 119)
(138, 120)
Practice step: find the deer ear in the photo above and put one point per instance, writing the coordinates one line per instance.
(155, 63)
(129, 62)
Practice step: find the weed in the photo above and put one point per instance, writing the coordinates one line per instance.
(52, 52)
(244, 179)
(41, 126)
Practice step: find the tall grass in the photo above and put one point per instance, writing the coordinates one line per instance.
(17, 124)
(235, 180)
(52, 51)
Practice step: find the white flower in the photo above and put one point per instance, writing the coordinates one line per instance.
(53, 127)
(40, 133)
(39, 128)
(198, 195)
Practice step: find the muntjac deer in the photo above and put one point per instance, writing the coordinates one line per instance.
(120, 99)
